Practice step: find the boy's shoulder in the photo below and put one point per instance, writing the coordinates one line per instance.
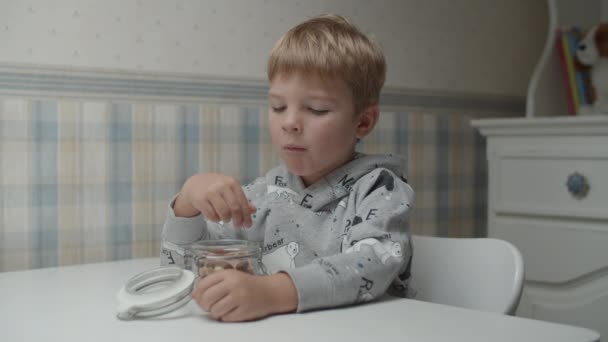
(379, 167)
(383, 176)
(383, 179)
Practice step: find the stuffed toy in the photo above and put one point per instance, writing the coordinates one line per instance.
(592, 53)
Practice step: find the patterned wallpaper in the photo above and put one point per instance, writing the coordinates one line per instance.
(89, 180)
(473, 46)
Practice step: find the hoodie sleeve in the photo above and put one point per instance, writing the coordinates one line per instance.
(376, 249)
(178, 232)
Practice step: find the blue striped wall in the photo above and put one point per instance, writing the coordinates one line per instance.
(88, 164)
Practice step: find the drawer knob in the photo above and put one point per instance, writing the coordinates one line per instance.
(577, 185)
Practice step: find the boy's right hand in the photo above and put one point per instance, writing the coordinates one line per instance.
(217, 197)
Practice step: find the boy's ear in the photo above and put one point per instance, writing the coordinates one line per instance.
(367, 120)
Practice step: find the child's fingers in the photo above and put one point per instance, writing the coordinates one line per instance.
(222, 307)
(252, 209)
(221, 208)
(245, 206)
(212, 295)
(208, 290)
(208, 211)
(203, 284)
(234, 205)
(236, 315)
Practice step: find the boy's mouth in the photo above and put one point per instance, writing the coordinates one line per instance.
(294, 148)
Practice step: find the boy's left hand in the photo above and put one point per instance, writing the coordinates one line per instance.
(234, 296)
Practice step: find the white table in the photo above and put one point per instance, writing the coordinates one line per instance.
(77, 303)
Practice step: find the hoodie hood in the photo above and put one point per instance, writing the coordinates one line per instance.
(335, 185)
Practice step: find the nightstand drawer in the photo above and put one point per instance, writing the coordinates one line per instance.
(551, 182)
(556, 251)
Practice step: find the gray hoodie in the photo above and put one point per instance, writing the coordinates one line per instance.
(342, 240)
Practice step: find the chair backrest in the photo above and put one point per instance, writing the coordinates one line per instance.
(477, 273)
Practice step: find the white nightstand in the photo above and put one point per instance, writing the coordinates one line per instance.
(548, 195)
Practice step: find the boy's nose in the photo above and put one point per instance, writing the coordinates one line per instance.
(292, 123)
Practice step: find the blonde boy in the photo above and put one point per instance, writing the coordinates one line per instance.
(332, 222)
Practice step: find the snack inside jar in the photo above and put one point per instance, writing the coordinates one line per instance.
(216, 255)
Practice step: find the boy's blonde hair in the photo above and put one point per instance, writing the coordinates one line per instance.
(329, 46)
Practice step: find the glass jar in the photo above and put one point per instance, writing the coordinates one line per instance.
(208, 256)
(165, 289)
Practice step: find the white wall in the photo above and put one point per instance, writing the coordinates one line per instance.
(582, 13)
(474, 46)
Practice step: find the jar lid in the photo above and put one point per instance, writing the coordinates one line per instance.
(224, 249)
(155, 292)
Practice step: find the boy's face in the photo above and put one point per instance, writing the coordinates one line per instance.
(312, 123)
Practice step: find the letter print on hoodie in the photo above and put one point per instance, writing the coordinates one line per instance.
(343, 240)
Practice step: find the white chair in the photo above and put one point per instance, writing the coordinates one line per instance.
(477, 273)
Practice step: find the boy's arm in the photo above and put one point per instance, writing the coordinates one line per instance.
(376, 250)
(182, 208)
(285, 293)
(179, 231)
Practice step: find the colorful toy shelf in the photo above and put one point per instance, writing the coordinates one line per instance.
(546, 94)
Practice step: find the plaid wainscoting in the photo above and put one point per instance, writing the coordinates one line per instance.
(89, 180)
(90, 158)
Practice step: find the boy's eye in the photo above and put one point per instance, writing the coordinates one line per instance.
(318, 111)
(278, 109)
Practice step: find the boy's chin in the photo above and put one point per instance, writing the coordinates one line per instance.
(297, 170)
